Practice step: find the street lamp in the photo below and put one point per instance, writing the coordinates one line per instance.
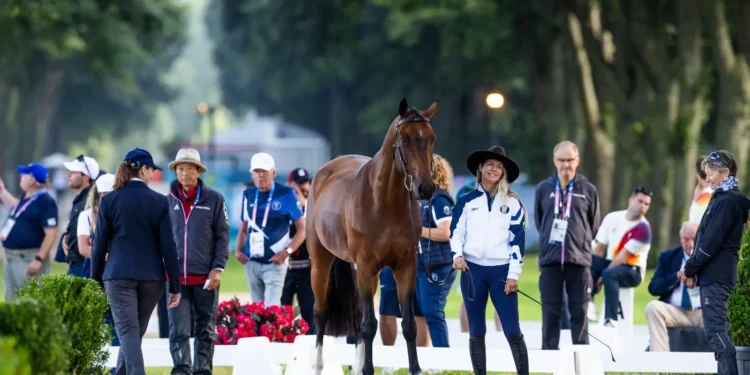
(495, 100)
(208, 111)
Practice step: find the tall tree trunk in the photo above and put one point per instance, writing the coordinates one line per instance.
(733, 116)
(601, 142)
(47, 102)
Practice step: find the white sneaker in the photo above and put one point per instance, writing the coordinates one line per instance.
(592, 313)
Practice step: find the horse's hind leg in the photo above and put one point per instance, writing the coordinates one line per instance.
(367, 278)
(321, 262)
(405, 276)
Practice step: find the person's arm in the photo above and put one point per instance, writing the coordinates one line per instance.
(517, 242)
(640, 239)
(602, 238)
(102, 235)
(458, 230)
(663, 281)
(168, 249)
(594, 214)
(719, 221)
(239, 247)
(7, 199)
(538, 213)
(83, 232)
(442, 215)
(295, 215)
(49, 223)
(221, 236)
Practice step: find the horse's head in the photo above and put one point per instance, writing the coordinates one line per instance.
(412, 148)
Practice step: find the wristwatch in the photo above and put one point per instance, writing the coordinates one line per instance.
(289, 250)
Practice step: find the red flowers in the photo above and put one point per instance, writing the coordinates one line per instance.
(235, 321)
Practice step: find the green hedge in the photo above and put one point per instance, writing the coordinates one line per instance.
(739, 300)
(38, 331)
(81, 306)
(13, 360)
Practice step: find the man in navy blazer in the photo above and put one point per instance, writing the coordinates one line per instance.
(673, 308)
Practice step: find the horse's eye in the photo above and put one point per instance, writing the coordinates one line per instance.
(404, 141)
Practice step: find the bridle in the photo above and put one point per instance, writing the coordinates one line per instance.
(416, 116)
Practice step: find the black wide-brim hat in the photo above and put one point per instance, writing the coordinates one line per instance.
(497, 153)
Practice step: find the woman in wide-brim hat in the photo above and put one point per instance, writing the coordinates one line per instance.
(488, 238)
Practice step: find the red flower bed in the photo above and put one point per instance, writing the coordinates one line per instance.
(235, 321)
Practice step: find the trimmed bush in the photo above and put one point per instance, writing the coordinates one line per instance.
(38, 331)
(739, 300)
(13, 360)
(81, 305)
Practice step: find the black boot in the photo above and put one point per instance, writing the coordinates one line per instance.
(520, 354)
(478, 354)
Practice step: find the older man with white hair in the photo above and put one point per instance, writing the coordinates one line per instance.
(263, 243)
(674, 307)
(200, 227)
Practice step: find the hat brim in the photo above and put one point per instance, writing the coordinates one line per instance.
(74, 166)
(478, 157)
(173, 165)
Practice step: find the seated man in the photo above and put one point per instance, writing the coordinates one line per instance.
(673, 309)
(626, 235)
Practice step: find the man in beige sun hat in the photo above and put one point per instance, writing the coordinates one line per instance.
(202, 255)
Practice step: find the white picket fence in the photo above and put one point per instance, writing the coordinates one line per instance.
(260, 357)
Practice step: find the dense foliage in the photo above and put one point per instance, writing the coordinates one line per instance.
(81, 306)
(739, 301)
(39, 332)
(13, 360)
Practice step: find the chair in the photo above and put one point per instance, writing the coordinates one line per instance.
(627, 309)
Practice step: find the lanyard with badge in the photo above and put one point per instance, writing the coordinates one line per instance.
(256, 237)
(560, 224)
(15, 212)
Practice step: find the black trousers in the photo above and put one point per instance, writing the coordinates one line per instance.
(576, 280)
(714, 298)
(196, 311)
(298, 282)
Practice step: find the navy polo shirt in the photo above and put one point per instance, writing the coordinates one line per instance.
(285, 209)
(28, 231)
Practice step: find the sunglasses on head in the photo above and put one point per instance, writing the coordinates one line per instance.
(643, 190)
(82, 160)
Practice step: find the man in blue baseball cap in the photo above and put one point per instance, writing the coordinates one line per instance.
(30, 229)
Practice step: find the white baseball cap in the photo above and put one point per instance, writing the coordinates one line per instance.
(85, 165)
(262, 161)
(105, 183)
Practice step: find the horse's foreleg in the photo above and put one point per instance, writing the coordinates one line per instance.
(319, 277)
(366, 282)
(405, 277)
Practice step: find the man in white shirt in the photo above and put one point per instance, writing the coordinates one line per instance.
(626, 237)
(674, 307)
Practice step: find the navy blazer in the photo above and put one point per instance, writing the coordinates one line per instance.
(134, 228)
(665, 278)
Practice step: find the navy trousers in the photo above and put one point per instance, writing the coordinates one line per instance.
(622, 276)
(432, 300)
(487, 283)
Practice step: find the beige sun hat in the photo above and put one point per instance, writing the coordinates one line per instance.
(188, 155)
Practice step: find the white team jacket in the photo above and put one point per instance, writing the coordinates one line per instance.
(489, 236)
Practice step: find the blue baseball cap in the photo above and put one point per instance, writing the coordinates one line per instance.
(140, 158)
(34, 170)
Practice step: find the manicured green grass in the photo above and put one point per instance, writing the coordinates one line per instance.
(228, 371)
(233, 280)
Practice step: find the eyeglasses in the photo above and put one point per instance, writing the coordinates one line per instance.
(83, 160)
(643, 190)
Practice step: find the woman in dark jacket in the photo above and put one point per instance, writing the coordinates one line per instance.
(713, 264)
(134, 232)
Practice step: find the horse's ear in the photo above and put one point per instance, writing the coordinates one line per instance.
(429, 112)
(403, 108)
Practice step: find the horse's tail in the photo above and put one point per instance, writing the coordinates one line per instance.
(343, 311)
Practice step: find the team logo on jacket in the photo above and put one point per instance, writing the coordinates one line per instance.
(504, 209)
(446, 210)
(276, 205)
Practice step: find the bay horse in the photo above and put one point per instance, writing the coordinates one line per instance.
(362, 215)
